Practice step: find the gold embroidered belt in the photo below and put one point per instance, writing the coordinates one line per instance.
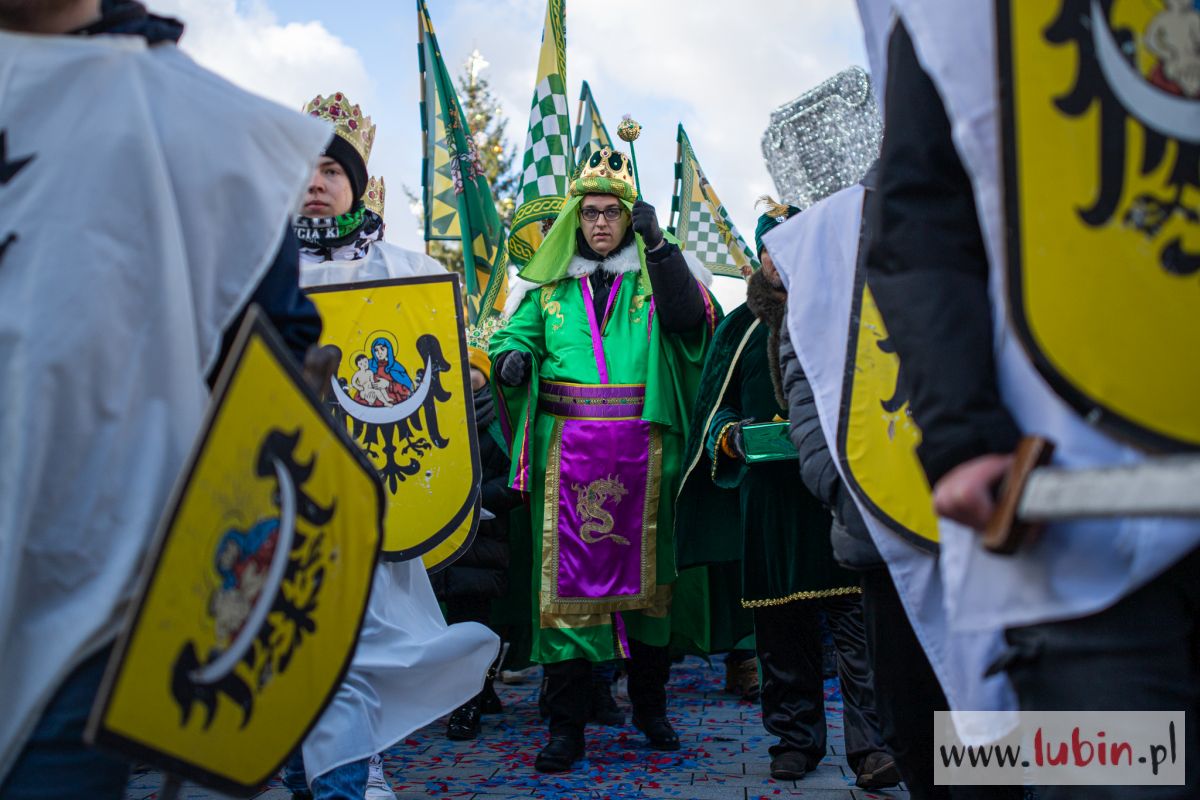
(592, 401)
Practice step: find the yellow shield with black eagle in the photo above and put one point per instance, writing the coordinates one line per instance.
(248, 617)
(877, 436)
(1101, 128)
(403, 392)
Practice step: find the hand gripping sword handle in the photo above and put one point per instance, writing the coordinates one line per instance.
(1005, 532)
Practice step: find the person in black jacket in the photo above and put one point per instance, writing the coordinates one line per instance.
(928, 268)
(470, 585)
(905, 697)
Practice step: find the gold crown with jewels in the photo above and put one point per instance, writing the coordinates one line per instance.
(608, 171)
(349, 122)
(373, 197)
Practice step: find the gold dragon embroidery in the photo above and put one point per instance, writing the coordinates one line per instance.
(589, 502)
(550, 306)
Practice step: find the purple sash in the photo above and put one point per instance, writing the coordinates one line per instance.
(598, 328)
(602, 490)
(601, 502)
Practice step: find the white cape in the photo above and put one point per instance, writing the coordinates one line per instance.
(383, 260)
(816, 253)
(409, 667)
(1074, 568)
(155, 200)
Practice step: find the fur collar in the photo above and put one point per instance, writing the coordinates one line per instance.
(624, 260)
(769, 304)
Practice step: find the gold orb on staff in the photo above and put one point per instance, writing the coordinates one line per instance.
(629, 130)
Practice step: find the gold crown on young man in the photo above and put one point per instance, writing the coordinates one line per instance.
(608, 171)
(373, 197)
(349, 122)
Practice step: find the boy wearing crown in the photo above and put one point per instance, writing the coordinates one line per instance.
(405, 639)
(340, 225)
(597, 366)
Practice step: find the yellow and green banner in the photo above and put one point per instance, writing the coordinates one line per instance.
(547, 162)
(590, 133)
(456, 197)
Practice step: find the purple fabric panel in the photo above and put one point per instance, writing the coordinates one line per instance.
(622, 638)
(591, 391)
(597, 342)
(523, 477)
(612, 296)
(586, 411)
(612, 459)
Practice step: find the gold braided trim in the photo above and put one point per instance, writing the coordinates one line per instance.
(817, 595)
(536, 209)
(717, 405)
(717, 447)
(519, 250)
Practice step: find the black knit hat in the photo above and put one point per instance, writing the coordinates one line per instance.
(344, 153)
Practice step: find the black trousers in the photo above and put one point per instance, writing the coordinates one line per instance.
(1142, 654)
(907, 693)
(788, 641)
(569, 684)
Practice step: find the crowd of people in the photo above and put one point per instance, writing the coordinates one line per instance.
(628, 429)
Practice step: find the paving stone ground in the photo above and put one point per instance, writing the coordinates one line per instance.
(724, 755)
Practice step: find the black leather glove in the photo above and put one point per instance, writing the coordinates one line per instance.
(645, 224)
(514, 367)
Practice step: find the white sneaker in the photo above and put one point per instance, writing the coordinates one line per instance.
(509, 676)
(378, 787)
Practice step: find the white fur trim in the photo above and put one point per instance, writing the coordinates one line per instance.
(699, 271)
(626, 260)
(518, 287)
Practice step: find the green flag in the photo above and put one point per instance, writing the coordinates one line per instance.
(457, 198)
(590, 133)
(701, 223)
(546, 165)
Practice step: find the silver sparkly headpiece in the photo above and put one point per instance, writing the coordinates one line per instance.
(824, 140)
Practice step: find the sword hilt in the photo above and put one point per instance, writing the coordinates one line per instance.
(1005, 532)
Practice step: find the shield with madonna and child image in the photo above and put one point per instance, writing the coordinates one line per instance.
(403, 392)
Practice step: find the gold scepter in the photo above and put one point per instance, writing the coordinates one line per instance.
(628, 130)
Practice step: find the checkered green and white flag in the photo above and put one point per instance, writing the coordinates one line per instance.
(546, 166)
(700, 221)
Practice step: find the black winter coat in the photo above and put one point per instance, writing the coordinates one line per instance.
(481, 573)
(852, 545)
(927, 267)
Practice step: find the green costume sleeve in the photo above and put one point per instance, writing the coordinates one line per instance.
(726, 472)
(526, 332)
(676, 364)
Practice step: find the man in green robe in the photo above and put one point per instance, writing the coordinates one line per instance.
(789, 575)
(597, 366)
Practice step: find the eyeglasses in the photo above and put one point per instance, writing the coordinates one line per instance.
(612, 213)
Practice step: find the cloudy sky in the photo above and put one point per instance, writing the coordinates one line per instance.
(719, 67)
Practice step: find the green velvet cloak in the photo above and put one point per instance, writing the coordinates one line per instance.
(758, 514)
